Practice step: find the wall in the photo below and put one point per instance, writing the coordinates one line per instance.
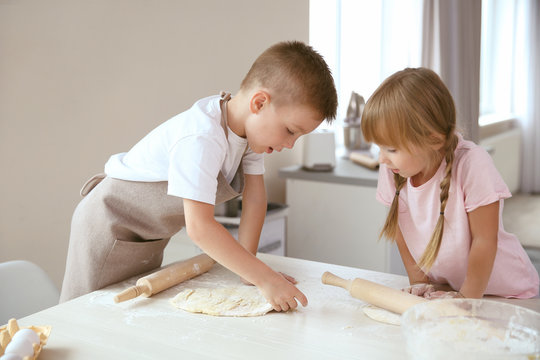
(81, 80)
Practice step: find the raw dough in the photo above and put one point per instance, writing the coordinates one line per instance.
(225, 301)
(382, 315)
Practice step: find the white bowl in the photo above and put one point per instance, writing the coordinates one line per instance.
(471, 329)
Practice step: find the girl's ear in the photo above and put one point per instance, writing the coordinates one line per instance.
(259, 100)
(438, 141)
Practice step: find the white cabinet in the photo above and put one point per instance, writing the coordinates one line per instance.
(338, 223)
(272, 239)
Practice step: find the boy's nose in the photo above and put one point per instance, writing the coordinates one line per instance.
(290, 143)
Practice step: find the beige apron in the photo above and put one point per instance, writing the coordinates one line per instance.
(120, 228)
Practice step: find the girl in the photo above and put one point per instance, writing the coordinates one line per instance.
(444, 193)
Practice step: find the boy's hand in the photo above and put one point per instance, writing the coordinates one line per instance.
(282, 294)
(289, 278)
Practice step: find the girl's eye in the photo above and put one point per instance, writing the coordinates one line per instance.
(392, 151)
(290, 132)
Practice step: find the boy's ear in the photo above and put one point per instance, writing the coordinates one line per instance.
(258, 100)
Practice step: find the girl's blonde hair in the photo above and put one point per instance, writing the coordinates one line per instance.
(411, 110)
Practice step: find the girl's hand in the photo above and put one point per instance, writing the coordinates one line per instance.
(421, 289)
(282, 294)
(444, 295)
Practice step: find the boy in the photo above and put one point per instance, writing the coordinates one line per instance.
(204, 156)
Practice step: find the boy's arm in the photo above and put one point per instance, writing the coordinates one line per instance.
(253, 212)
(219, 244)
(484, 225)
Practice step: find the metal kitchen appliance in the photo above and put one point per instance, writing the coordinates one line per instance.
(352, 131)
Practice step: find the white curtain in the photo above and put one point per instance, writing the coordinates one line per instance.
(527, 101)
(451, 47)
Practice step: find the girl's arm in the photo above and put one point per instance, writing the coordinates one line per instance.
(484, 225)
(416, 275)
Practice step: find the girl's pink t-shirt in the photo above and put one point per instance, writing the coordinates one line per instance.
(475, 182)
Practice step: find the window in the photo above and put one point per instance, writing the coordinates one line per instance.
(499, 60)
(365, 41)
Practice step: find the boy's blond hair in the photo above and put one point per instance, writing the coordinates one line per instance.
(406, 112)
(295, 74)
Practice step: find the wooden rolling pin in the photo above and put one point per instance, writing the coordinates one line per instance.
(167, 277)
(376, 294)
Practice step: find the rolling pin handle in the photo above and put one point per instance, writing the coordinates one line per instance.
(168, 276)
(130, 293)
(330, 279)
(325, 277)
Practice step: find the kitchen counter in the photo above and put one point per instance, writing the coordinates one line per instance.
(346, 172)
(337, 210)
(332, 326)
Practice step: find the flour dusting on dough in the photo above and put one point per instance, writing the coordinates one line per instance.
(382, 315)
(224, 301)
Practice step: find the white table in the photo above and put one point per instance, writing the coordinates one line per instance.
(332, 326)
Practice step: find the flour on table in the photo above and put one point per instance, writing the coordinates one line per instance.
(382, 315)
(225, 301)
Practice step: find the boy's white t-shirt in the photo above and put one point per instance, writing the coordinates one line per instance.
(188, 150)
(475, 182)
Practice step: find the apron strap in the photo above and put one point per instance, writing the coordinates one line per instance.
(225, 97)
(91, 183)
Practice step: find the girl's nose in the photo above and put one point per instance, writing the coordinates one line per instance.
(382, 159)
